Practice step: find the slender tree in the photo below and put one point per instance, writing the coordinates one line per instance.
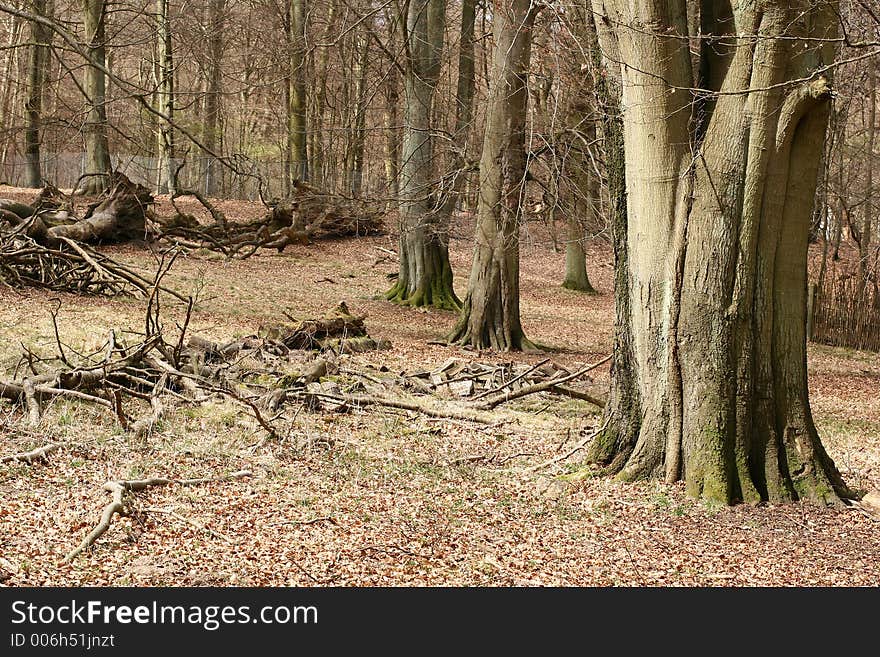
(216, 25)
(97, 164)
(165, 183)
(38, 69)
(490, 317)
(297, 136)
(720, 186)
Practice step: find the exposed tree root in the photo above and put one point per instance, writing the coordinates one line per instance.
(117, 505)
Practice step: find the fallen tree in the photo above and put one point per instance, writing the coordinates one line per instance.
(307, 214)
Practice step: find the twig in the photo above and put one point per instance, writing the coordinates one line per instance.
(574, 449)
(177, 516)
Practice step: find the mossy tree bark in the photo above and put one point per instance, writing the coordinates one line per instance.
(490, 318)
(424, 276)
(711, 385)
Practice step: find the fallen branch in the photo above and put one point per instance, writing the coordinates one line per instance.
(497, 400)
(366, 400)
(118, 489)
(39, 454)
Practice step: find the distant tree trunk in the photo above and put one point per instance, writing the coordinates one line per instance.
(355, 167)
(424, 275)
(9, 91)
(490, 318)
(464, 109)
(165, 183)
(576, 277)
(392, 136)
(583, 182)
(865, 232)
(95, 86)
(718, 215)
(210, 137)
(38, 69)
(297, 136)
(320, 145)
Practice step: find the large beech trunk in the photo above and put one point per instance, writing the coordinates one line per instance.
(490, 318)
(425, 276)
(711, 383)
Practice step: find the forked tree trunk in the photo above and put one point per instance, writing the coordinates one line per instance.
(424, 276)
(490, 318)
(97, 163)
(38, 69)
(719, 211)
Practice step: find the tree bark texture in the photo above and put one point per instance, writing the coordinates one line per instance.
(711, 386)
(165, 175)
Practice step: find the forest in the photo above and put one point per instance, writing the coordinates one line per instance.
(506, 293)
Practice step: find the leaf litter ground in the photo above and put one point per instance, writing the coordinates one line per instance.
(385, 497)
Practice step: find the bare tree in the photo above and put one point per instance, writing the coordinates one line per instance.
(97, 163)
(490, 318)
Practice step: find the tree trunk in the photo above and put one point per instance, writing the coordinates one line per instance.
(97, 164)
(211, 135)
(38, 69)
(358, 137)
(320, 145)
(717, 312)
(297, 129)
(392, 136)
(425, 276)
(464, 110)
(865, 232)
(576, 277)
(165, 175)
(490, 317)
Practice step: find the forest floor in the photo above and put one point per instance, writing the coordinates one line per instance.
(386, 497)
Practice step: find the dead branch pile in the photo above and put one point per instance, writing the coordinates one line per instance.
(258, 372)
(308, 214)
(67, 267)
